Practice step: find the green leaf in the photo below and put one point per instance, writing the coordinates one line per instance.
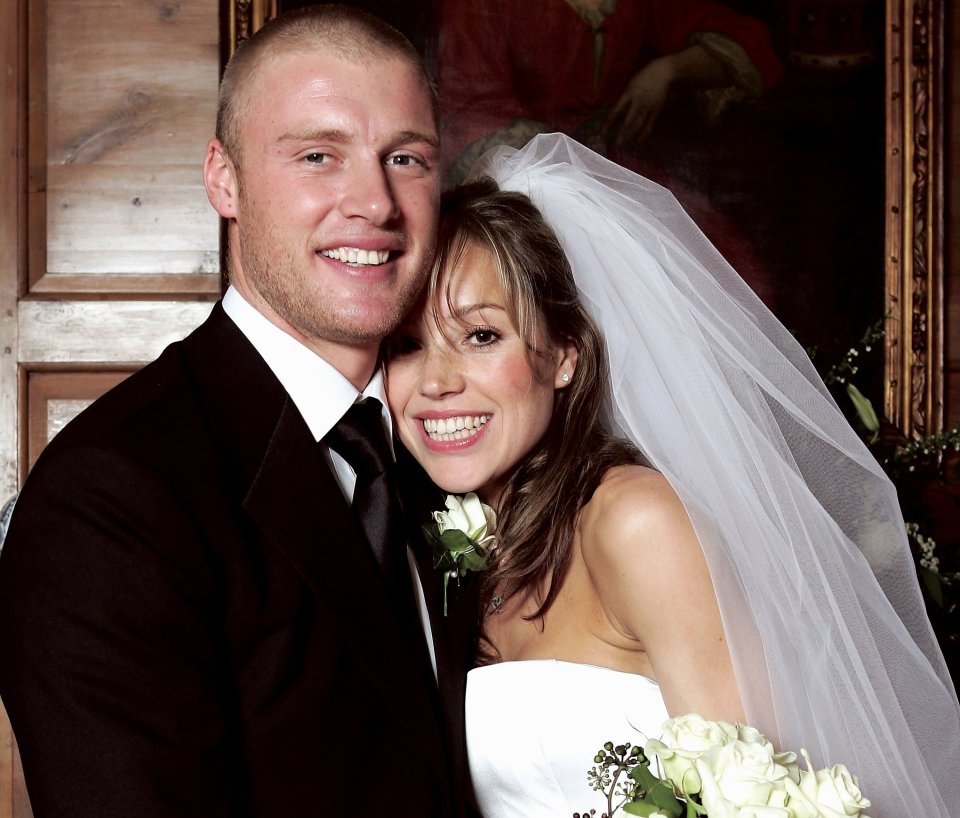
(444, 560)
(432, 534)
(455, 540)
(472, 561)
(647, 808)
(640, 808)
(666, 800)
(864, 409)
(933, 583)
(642, 775)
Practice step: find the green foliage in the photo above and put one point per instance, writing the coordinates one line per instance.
(622, 773)
(926, 473)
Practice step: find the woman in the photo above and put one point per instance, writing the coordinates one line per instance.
(823, 642)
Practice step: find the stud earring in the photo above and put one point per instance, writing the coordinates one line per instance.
(565, 378)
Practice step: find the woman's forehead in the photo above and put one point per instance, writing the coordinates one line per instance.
(471, 277)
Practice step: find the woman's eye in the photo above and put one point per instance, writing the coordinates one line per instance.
(483, 336)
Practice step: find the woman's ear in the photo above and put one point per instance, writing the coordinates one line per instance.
(566, 359)
(220, 180)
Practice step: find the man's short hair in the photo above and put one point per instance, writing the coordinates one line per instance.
(343, 31)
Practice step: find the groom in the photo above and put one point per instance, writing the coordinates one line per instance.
(193, 621)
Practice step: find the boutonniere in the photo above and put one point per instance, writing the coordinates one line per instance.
(461, 537)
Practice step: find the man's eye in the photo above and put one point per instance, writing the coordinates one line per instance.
(317, 158)
(403, 160)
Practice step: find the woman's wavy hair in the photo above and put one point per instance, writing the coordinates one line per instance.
(538, 510)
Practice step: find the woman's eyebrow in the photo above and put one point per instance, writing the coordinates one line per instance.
(461, 310)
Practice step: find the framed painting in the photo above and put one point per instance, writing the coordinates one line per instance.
(815, 166)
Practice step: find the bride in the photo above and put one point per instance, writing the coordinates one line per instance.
(686, 523)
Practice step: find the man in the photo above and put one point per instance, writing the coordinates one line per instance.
(191, 622)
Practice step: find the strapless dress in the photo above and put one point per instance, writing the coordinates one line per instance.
(533, 728)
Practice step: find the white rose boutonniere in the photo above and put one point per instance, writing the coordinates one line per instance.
(462, 537)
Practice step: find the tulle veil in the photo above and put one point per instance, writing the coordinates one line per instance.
(801, 529)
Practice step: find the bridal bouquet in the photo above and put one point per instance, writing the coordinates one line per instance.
(461, 537)
(721, 770)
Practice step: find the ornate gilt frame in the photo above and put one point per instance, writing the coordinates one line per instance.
(245, 16)
(913, 280)
(915, 215)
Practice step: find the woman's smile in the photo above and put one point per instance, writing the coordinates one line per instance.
(454, 431)
(471, 396)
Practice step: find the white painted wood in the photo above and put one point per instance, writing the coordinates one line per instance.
(103, 331)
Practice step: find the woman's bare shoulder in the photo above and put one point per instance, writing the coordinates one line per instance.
(632, 501)
(635, 533)
(652, 582)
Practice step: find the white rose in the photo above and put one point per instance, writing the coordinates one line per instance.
(717, 806)
(834, 790)
(743, 774)
(684, 740)
(800, 806)
(469, 515)
(751, 735)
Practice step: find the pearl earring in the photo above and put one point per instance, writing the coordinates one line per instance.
(565, 378)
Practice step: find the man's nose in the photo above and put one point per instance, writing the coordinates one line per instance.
(368, 193)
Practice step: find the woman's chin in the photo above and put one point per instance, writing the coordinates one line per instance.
(454, 485)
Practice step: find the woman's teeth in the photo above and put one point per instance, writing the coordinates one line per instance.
(456, 428)
(351, 255)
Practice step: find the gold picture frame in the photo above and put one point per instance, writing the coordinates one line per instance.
(913, 276)
(914, 229)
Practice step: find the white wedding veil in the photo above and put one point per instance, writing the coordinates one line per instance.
(801, 529)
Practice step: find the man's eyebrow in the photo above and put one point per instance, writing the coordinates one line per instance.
(326, 135)
(406, 137)
(340, 137)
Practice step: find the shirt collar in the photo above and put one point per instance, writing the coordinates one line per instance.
(318, 390)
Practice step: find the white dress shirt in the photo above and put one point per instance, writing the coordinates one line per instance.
(323, 396)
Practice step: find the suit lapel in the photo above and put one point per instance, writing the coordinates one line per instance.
(300, 509)
(455, 635)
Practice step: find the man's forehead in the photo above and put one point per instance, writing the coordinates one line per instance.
(326, 71)
(327, 64)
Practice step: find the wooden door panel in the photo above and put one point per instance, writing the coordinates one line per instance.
(54, 398)
(121, 105)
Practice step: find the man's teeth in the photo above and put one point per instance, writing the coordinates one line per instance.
(456, 428)
(353, 255)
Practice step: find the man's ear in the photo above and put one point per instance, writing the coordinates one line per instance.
(220, 180)
(566, 359)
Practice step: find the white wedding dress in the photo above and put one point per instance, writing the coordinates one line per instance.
(533, 728)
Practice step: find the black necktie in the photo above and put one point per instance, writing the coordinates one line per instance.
(360, 440)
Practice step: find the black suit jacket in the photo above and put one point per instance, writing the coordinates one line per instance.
(190, 624)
